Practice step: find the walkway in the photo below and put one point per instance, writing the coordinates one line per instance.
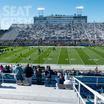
(14, 94)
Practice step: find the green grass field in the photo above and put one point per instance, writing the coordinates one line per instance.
(61, 55)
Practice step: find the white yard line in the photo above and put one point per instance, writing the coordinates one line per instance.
(58, 55)
(68, 49)
(97, 54)
(47, 59)
(40, 54)
(90, 56)
(80, 58)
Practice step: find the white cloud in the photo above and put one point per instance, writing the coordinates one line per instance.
(80, 7)
(40, 8)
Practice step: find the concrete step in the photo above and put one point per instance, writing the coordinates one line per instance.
(37, 93)
(3, 101)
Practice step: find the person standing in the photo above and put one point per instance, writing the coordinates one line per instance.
(19, 74)
(1, 71)
(48, 75)
(1, 68)
(38, 74)
(28, 72)
(60, 81)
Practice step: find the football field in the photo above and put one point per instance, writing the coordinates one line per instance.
(53, 55)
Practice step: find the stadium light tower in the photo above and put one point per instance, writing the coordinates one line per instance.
(79, 10)
(40, 11)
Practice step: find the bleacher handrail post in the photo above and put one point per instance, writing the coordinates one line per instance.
(95, 99)
(2, 77)
(79, 96)
(79, 86)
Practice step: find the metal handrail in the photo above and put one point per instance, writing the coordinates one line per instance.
(2, 75)
(7, 73)
(81, 76)
(80, 97)
(96, 94)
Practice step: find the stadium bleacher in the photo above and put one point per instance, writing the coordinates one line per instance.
(52, 34)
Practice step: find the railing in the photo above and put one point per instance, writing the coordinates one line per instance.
(96, 94)
(3, 74)
(11, 78)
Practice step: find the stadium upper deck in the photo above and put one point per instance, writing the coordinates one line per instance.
(60, 19)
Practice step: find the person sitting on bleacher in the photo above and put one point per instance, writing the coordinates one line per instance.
(7, 69)
(68, 82)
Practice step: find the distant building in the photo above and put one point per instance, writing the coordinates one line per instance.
(60, 19)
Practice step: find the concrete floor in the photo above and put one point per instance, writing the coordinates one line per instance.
(35, 94)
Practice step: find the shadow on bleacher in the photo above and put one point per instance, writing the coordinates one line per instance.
(7, 87)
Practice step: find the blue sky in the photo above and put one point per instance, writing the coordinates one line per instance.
(94, 9)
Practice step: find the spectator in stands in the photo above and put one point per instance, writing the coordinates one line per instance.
(48, 75)
(68, 82)
(38, 74)
(60, 81)
(28, 72)
(19, 74)
(1, 68)
(97, 72)
(7, 69)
